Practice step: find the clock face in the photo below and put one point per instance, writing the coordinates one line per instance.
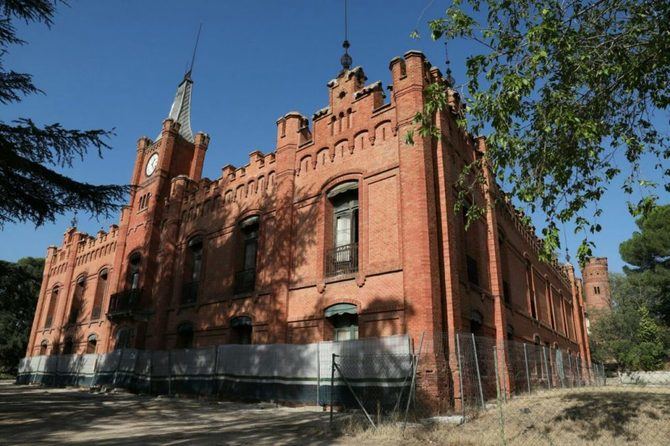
(152, 164)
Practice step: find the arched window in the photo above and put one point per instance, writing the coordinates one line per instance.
(43, 347)
(91, 344)
(77, 299)
(245, 278)
(241, 330)
(134, 271)
(510, 332)
(192, 270)
(53, 300)
(100, 292)
(68, 346)
(344, 321)
(476, 323)
(342, 257)
(123, 338)
(185, 335)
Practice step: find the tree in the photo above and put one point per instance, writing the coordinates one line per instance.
(629, 334)
(19, 290)
(648, 251)
(568, 92)
(30, 188)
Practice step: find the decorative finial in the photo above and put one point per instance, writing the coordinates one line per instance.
(345, 60)
(74, 221)
(449, 78)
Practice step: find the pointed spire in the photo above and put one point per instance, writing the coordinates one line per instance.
(181, 106)
(345, 60)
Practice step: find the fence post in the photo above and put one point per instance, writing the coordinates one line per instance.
(479, 378)
(498, 398)
(332, 382)
(318, 372)
(413, 382)
(525, 359)
(460, 373)
(546, 366)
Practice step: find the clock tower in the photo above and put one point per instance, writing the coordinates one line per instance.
(176, 151)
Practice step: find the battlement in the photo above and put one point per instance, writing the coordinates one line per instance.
(595, 262)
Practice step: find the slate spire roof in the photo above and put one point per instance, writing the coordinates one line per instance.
(181, 107)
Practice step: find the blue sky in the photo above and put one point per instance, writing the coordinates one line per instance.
(117, 64)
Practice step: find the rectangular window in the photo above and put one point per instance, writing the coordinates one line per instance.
(245, 279)
(507, 294)
(342, 258)
(473, 270)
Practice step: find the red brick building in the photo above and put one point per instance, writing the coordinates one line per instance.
(597, 294)
(344, 230)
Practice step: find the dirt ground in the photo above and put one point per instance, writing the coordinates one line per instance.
(47, 416)
(622, 415)
(588, 416)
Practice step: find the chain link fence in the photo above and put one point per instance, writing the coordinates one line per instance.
(507, 393)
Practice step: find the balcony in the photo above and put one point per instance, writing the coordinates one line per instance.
(245, 281)
(342, 260)
(125, 303)
(189, 293)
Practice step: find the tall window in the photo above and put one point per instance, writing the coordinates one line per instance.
(473, 270)
(245, 279)
(185, 335)
(134, 271)
(342, 258)
(100, 291)
(77, 299)
(91, 344)
(52, 307)
(195, 258)
(193, 271)
(241, 330)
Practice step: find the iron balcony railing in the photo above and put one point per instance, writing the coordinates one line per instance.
(125, 302)
(342, 260)
(189, 293)
(245, 280)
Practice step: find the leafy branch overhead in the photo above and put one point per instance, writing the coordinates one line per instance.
(30, 188)
(570, 95)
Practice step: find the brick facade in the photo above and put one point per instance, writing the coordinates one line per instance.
(257, 254)
(597, 292)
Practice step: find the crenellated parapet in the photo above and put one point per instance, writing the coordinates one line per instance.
(88, 248)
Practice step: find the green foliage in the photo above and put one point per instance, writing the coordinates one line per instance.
(566, 91)
(19, 289)
(30, 189)
(630, 334)
(648, 251)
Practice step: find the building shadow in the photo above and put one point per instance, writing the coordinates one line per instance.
(613, 413)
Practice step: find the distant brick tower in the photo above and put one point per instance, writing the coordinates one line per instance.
(596, 287)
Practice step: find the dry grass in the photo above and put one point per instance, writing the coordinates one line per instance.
(592, 416)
